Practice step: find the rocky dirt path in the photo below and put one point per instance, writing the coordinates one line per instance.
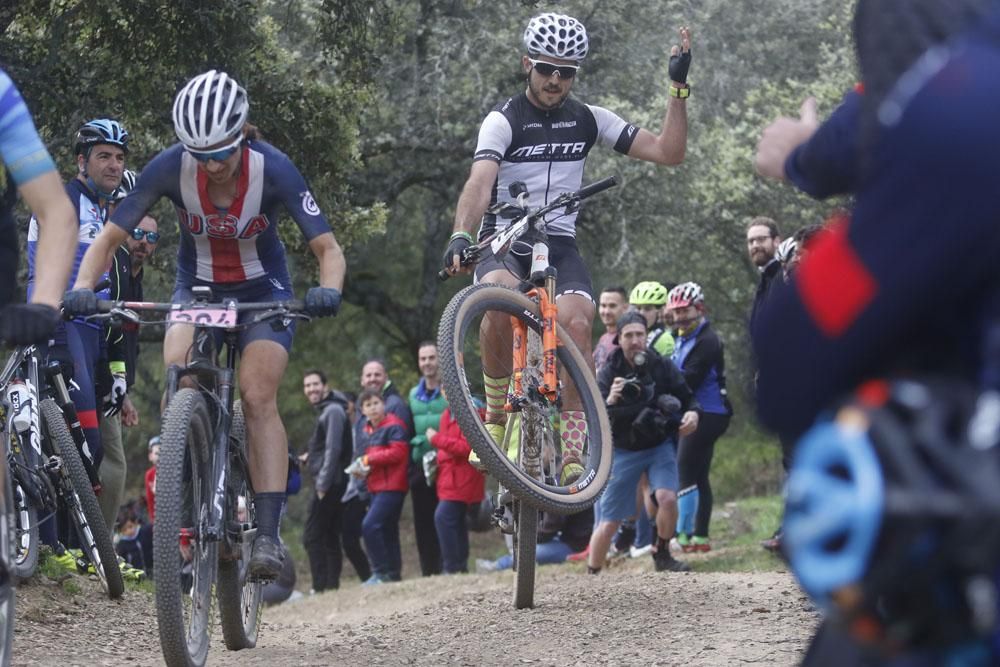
(628, 615)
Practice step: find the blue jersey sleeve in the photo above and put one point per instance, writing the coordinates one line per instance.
(22, 150)
(827, 164)
(907, 283)
(293, 192)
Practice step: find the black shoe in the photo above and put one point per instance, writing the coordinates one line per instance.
(625, 537)
(266, 558)
(664, 562)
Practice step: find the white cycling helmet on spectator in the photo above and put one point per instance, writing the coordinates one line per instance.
(557, 36)
(786, 250)
(210, 109)
(684, 295)
(128, 184)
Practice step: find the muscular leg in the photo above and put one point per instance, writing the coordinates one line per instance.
(261, 368)
(666, 514)
(600, 541)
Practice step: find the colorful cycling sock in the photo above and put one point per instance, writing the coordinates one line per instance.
(268, 508)
(496, 398)
(687, 507)
(574, 433)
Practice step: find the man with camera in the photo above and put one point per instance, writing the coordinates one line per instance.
(649, 405)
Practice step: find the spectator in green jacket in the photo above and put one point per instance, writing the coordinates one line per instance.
(427, 403)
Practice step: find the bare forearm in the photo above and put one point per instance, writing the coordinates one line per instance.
(673, 136)
(332, 264)
(57, 230)
(471, 206)
(98, 258)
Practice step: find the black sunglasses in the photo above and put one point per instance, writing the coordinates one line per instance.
(548, 69)
(151, 237)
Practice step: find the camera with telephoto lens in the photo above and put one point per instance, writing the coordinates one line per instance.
(632, 389)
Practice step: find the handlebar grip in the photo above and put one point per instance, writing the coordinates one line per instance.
(598, 186)
(105, 305)
(443, 275)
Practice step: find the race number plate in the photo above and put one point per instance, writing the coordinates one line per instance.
(206, 317)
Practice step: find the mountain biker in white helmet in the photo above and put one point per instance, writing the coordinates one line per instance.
(542, 137)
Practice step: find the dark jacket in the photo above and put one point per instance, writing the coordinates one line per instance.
(123, 342)
(660, 378)
(331, 445)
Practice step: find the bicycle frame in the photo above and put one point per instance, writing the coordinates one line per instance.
(204, 365)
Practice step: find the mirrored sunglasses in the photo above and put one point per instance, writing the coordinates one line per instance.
(548, 69)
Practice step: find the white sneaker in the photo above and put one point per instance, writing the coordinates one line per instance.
(485, 565)
(639, 552)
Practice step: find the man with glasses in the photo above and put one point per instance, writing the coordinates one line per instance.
(542, 137)
(117, 409)
(229, 188)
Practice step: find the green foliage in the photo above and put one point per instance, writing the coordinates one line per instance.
(737, 530)
(379, 104)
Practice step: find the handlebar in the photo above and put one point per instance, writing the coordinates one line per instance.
(129, 310)
(471, 254)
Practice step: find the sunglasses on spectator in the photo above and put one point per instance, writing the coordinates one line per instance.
(548, 69)
(151, 237)
(218, 154)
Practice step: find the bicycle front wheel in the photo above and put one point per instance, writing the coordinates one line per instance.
(575, 424)
(81, 503)
(240, 597)
(186, 559)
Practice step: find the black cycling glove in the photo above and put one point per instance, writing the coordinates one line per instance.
(28, 323)
(459, 241)
(80, 302)
(679, 65)
(322, 301)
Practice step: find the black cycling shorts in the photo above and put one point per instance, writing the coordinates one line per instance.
(572, 275)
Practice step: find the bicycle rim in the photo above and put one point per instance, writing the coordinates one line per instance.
(24, 543)
(240, 598)
(186, 561)
(81, 503)
(462, 362)
(7, 536)
(525, 543)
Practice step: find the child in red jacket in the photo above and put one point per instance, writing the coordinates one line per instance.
(386, 458)
(458, 486)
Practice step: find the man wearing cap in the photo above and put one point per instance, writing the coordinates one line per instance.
(649, 405)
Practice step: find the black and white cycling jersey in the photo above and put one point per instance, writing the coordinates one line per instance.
(547, 151)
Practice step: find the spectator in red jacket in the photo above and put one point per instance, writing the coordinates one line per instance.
(459, 485)
(386, 457)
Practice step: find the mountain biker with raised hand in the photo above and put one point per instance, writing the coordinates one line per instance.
(910, 283)
(542, 137)
(228, 186)
(31, 172)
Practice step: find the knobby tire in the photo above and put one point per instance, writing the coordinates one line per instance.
(25, 543)
(183, 494)
(81, 503)
(240, 598)
(525, 545)
(462, 312)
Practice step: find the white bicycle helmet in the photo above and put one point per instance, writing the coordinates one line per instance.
(210, 108)
(684, 295)
(786, 250)
(556, 36)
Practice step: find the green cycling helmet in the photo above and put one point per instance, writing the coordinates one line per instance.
(648, 293)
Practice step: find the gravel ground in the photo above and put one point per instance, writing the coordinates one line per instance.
(628, 615)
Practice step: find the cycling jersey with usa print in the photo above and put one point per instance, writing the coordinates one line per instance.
(234, 245)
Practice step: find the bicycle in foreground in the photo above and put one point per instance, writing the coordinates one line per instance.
(49, 466)
(549, 375)
(202, 539)
(7, 518)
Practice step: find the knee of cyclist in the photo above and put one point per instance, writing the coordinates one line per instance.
(258, 403)
(579, 326)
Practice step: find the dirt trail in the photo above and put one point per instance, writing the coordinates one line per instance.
(627, 615)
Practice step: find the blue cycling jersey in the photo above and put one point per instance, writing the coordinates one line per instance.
(911, 281)
(22, 150)
(706, 374)
(91, 214)
(227, 246)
